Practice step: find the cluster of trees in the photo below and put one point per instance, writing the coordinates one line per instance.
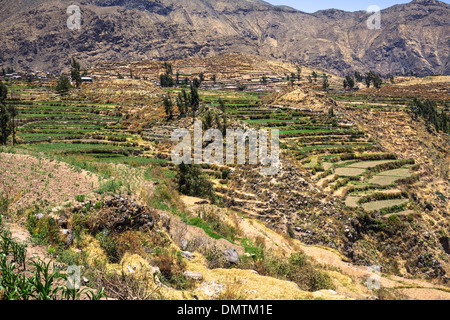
(220, 120)
(427, 109)
(166, 79)
(186, 103)
(370, 78)
(375, 78)
(314, 76)
(349, 82)
(6, 71)
(64, 84)
(406, 74)
(292, 77)
(8, 114)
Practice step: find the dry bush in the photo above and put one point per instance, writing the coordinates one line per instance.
(129, 241)
(260, 242)
(215, 258)
(127, 286)
(172, 266)
(235, 220)
(178, 230)
(232, 292)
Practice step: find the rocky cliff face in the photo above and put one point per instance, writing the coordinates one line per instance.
(413, 37)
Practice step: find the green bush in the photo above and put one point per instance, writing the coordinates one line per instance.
(110, 245)
(110, 186)
(80, 198)
(44, 231)
(191, 182)
(296, 268)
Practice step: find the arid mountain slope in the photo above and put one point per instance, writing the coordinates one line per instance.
(413, 36)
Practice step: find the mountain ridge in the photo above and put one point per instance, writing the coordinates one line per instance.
(414, 36)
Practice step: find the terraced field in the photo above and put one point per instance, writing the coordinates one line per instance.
(342, 158)
(372, 103)
(86, 135)
(73, 127)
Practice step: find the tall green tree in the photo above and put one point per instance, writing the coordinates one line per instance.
(222, 124)
(166, 80)
(195, 101)
(75, 72)
(349, 82)
(13, 113)
(377, 81)
(5, 128)
(358, 76)
(168, 68)
(196, 82)
(3, 92)
(168, 106)
(264, 79)
(183, 102)
(299, 73)
(325, 83)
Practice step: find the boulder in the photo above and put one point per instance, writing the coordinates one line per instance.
(184, 245)
(232, 256)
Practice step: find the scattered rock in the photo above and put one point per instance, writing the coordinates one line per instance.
(188, 255)
(62, 222)
(209, 290)
(39, 216)
(196, 276)
(57, 209)
(69, 237)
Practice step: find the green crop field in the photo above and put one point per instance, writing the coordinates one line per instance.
(377, 205)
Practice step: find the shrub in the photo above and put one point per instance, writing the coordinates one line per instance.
(129, 241)
(109, 244)
(394, 221)
(172, 266)
(296, 268)
(110, 186)
(191, 182)
(45, 230)
(80, 198)
(382, 196)
(215, 258)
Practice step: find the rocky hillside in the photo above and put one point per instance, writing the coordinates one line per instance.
(413, 37)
